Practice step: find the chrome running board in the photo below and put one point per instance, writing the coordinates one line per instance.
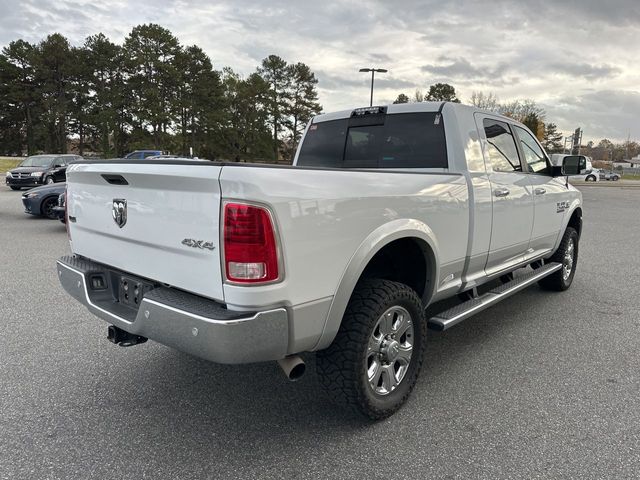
(455, 315)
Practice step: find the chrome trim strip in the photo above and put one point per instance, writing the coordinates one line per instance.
(212, 320)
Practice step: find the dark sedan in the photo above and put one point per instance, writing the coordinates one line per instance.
(43, 200)
(40, 170)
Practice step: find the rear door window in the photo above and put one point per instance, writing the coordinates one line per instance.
(501, 149)
(403, 140)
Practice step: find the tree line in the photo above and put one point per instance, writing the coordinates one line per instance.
(149, 91)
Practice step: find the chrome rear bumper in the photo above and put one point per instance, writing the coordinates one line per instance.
(186, 322)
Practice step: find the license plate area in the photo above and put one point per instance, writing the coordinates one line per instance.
(130, 290)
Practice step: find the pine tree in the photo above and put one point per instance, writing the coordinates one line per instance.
(275, 72)
(54, 84)
(442, 92)
(302, 103)
(20, 100)
(552, 139)
(402, 98)
(153, 78)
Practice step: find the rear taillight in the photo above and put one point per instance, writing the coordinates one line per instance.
(250, 246)
(66, 212)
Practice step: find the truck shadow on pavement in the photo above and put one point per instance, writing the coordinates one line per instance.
(198, 397)
(172, 412)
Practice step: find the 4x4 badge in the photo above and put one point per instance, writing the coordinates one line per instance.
(119, 211)
(201, 244)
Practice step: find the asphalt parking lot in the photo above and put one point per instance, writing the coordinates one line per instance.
(541, 386)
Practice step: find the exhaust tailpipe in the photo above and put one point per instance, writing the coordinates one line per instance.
(123, 338)
(293, 367)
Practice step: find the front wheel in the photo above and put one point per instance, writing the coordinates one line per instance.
(47, 208)
(15, 188)
(591, 178)
(374, 361)
(49, 180)
(567, 255)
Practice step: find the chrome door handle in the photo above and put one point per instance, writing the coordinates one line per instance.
(501, 192)
(540, 191)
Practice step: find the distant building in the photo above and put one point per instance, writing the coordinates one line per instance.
(632, 163)
(622, 164)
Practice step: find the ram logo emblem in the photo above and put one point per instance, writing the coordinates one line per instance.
(119, 211)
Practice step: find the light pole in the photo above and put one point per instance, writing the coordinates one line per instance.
(373, 72)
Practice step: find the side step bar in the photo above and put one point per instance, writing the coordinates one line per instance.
(454, 315)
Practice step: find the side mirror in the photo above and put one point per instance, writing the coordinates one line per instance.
(574, 165)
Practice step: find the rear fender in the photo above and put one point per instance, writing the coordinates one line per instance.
(378, 239)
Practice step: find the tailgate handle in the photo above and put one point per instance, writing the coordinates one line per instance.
(115, 179)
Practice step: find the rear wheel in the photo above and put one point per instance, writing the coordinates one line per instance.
(567, 255)
(374, 361)
(47, 208)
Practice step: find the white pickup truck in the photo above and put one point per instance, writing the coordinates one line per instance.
(385, 212)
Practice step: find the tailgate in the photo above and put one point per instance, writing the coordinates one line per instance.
(163, 224)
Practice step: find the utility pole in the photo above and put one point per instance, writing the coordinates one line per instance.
(568, 140)
(628, 142)
(577, 139)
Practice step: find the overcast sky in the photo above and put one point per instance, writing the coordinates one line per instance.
(580, 59)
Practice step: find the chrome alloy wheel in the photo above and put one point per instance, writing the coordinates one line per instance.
(567, 261)
(389, 350)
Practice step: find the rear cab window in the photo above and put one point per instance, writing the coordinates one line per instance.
(376, 140)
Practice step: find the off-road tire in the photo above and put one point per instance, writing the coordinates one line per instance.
(342, 368)
(557, 281)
